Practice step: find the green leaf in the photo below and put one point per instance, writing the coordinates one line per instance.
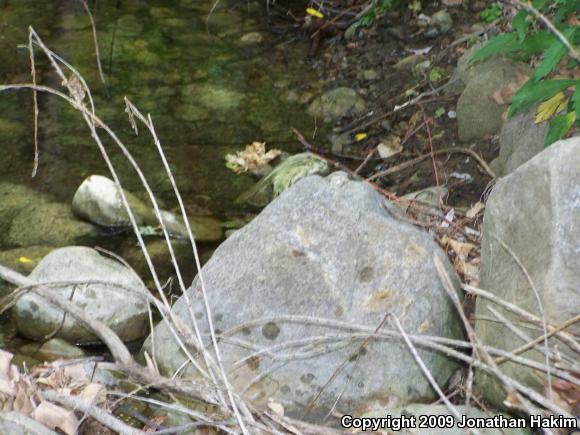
(559, 126)
(553, 56)
(576, 101)
(564, 9)
(535, 43)
(435, 74)
(501, 44)
(539, 4)
(440, 112)
(520, 24)
(533, 91)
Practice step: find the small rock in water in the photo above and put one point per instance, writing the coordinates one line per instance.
(336, 103)
(122, 309)
(252, 38)
(57, 348)
(98, 200)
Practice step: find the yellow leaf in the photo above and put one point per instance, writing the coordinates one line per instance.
(550, 107)
(360, 136)
(24, 260)
(314, 13)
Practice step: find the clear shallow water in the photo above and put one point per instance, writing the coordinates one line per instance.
(207, 92)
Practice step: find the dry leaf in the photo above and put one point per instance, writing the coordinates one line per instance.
(512, 400)
(54, 416)
(154, 423)
(452, 2)
(461, 249)
(252, 158)
(94, 393)
(417, 116)
(550, 107)
(504, 95)
(469, 270)
(276, 407)
(475, 209)
(389, 146)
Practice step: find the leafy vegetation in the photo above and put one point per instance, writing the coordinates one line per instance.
(557, 57)
(378, 8)
(490, 13)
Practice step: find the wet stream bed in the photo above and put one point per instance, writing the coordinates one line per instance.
(214, 80)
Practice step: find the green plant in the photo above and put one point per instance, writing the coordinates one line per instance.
(556, 51)
(377, 8)
(490, 13)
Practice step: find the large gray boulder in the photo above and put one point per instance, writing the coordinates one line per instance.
(328, 248)
(478, 113)
(123, 310)
(535, 212)
(520, 140)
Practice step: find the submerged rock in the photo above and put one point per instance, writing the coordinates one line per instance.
(282, 177)
(52, 350)
(520, 139)
(535, 213)
(204, 228)
(327, 248)
(28, 218)
(24, 260)
(336, 103)
(252, 38)
(123, 310)
(49, 224)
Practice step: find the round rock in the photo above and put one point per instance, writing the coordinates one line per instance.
(119, 302)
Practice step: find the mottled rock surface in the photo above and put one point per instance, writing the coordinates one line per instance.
(478, 112)
(520, 140)
(327, 248)
(535, 213)
(124, 311)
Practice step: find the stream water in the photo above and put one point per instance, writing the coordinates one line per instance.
(208, 91)
(213, 80)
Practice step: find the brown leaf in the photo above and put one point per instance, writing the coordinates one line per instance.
(512, 400)
(461, 249)
(253, 157)
(54, 416)
(475, 209)
(94, 393)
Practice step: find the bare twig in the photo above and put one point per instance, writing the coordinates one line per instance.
(419, 159)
